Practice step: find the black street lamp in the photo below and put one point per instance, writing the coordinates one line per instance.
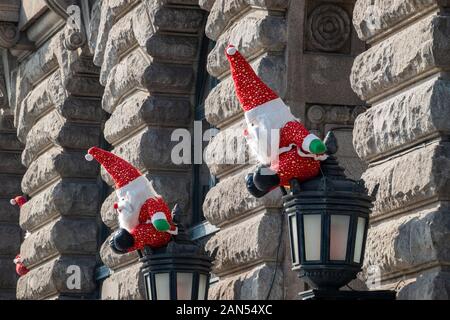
(178, 271)
(328, 220)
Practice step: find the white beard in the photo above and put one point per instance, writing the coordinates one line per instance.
(131, 198)
(264, 124)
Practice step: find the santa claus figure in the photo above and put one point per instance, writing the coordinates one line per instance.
(284, 148)
(18, 201)
(21, 270)
(144, 217)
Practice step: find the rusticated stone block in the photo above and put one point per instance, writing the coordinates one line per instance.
(79, 85)
(11, 236)
(61, 199)
(119, 39)
(54, 277)
(172, 47)
(406, 119)
(245, 243)
(174, 188)
(140, 109)
(230, 200)
(228, 149)
(222, 103)
(206, 4)
(412, 52)
(8, 277)
(126, 284)
(433, 284)
(79, 108)
(61, 236)
(406, 242)
(223, 11)
(411, 179)
(48, 93)
(371, 18)
(177, 19)
(253, 33)
(53, 130)
(116, 261)
(250, 285)
(124, 78)
(151, 149)
(57, 164)
(167, 78)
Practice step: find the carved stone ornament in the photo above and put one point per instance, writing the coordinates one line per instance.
(9, 35)
(70, 10)
(328, 27)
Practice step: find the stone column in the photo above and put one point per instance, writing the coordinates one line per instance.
(147, 51)
(303, 50)
(58, 116)
(249, 228)
(11, 172)
(404, 139)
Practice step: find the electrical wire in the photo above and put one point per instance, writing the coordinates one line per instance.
(277, 256)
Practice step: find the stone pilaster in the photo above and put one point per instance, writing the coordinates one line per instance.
(147, 51)
(247, 242)
(404, 139)
(304, 50)
(58, 116)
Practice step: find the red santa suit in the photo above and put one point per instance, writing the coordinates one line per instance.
(275, 136)
(139, 207)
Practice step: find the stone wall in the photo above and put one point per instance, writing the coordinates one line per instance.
(404, 139)
(147, 51)
(290, 49)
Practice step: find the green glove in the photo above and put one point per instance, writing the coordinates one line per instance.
(160, 222)
(317, 147)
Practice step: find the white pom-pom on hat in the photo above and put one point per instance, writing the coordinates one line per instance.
(231, 50)
(13, 202)
(89, 157)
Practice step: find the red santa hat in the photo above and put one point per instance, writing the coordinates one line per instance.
(121, 171)
(19, 200)
(250, 89)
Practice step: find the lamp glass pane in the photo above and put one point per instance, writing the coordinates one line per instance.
(359, 239)
(184, 285)
(294, 235)
(149, 286)
(162, 282)
(312, 226)
(339, 226)
(202, 286)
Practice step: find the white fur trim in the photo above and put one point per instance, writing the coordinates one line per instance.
(231, 51)
(158, 216)
(173, 232)
(276, 110)
(17, 260)
(137, 192)
(307, 141)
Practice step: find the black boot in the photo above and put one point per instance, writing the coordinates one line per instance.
(265, 179)
(121, 241)
(252, 189)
